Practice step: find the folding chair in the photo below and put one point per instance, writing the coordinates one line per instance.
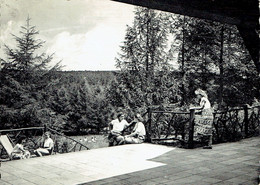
(5, 141)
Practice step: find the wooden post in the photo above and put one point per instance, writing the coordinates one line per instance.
(191, 128)
(45, 128)
(149, 110)
(246, 119)
(216, 126)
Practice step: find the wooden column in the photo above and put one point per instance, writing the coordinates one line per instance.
(45, 128)
(149, 127)
(191, 128)
(246, 120)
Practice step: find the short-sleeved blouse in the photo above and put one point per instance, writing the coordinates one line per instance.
(204, 101)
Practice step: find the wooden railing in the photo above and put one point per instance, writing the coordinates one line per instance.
(229, 125)
(34, 135)
(161, 125)
(73, 148)
(236, 123)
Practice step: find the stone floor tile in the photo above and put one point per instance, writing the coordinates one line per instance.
(253, 174)
(198, 170)
(7, 168)
(183, 181)
(120, 177)
(174, 170)
(85, 179)
(180, 175)
(251, 162)
(230, 162)
(20, 181)
(42, 181)
(237, 180)
(225, 183)
(148, 183)
(212, 165)
(199, 183)
(9, 178)
(225, 176)
(251, 171)
(251, 182)
(210, 180)
(62, 180)
(100, 182)
(2, 182)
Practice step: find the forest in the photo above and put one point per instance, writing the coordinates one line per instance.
(209, 55)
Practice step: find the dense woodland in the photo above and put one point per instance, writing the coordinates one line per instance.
(210, 56)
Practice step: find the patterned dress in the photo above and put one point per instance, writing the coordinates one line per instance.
(204, 121)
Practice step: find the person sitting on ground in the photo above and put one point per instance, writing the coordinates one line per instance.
(138, 134)
(47, 146)
(117, 126)
(18, 151)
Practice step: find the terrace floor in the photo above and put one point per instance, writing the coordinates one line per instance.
(227, 163)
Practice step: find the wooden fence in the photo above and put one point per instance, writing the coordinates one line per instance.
(34, 135)
(229, 125)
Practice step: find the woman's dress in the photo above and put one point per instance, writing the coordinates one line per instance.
(204, 121)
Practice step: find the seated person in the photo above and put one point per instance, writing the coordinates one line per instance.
(117, 127)
(19, 152)
(47, 146)
(138, 134)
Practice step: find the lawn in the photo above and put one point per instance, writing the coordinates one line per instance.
(64, 144)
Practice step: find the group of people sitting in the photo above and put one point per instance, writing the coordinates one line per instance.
(46, 147)
(203, 124)
(119, 125)
(203, 127)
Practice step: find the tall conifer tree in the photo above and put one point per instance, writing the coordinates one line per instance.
(24, 75)
(144, 60)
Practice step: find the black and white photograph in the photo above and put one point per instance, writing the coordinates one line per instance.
(129, 92)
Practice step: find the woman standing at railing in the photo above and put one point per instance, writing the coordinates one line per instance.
(204, 122)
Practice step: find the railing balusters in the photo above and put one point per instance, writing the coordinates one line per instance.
(226, 124)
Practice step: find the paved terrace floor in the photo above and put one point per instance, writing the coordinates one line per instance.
(228, 163)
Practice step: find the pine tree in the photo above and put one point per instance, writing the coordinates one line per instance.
(144, 61)
(213, 57)
(24, 76)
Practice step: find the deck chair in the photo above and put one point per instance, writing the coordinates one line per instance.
(4, 140)
(8, 146)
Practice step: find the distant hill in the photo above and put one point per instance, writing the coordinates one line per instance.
(93, 77)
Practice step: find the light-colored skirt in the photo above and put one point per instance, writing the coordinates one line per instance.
(204, 123)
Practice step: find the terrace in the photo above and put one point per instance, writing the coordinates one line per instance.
(149, 163)
(226, 163)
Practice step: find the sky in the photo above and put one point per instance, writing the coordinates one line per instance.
(84, 34)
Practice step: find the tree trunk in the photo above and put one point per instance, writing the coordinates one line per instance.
(221, 75)
(182, 65)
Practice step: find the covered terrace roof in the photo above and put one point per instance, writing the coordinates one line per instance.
(242, 13)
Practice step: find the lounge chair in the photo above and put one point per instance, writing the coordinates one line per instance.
(14, 152)
(8, 146)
